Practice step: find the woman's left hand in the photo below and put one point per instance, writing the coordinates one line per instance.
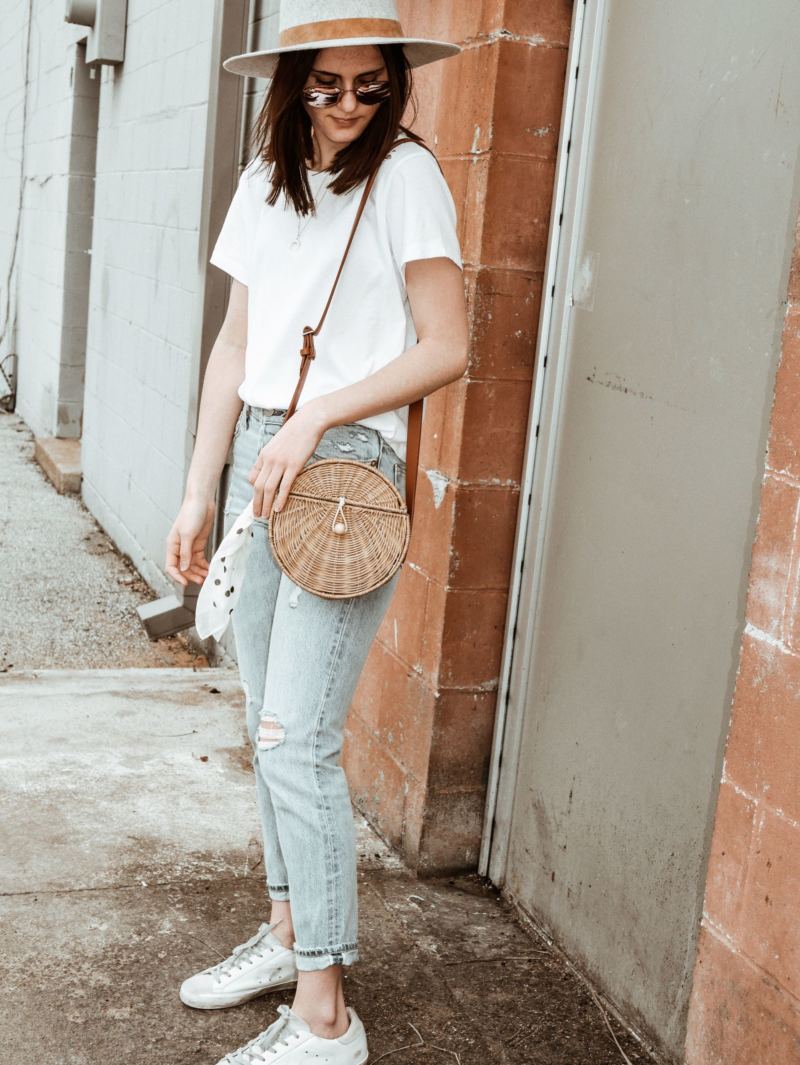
(280, 460)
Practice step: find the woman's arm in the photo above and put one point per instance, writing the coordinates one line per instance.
(220, 406)
(436, 295)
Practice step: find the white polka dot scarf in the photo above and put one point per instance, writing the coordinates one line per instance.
(220, 590)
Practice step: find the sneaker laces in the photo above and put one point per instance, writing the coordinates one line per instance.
(269, 1042)
(242, 954)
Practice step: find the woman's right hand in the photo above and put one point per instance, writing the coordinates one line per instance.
(186, 541)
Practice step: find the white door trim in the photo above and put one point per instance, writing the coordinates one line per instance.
(583, 63)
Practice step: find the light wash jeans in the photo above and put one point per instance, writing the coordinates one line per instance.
(300, 657)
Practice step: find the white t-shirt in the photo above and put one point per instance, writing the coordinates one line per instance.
(410, 214)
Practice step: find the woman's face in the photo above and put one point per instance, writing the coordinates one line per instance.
(344, 68)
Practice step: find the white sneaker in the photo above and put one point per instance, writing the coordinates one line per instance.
(290, 1041)
(260, 965)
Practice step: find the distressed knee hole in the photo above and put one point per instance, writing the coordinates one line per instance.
(271, 732)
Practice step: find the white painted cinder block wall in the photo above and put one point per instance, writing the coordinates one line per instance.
(12, 66)
(35, 294)
(144, 299)
(141, 353)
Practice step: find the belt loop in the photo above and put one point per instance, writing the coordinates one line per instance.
(247, 415)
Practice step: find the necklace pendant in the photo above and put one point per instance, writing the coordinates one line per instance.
(295, 244)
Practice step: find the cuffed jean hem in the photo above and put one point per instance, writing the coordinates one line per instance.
(278, 892)
(312, 960)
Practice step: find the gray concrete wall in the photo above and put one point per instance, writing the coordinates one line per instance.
(37, 231)
(82, 151)
(13, 58)
(679, 299)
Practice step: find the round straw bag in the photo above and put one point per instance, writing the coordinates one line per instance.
(345, 528)
(343, 531)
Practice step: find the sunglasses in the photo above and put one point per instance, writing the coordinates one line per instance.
(329, 95)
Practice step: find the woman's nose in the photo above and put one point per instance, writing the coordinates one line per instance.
(348, 100)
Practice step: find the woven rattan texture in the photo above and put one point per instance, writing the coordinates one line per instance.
(343, 531)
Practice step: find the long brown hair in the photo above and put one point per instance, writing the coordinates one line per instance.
(282, 133)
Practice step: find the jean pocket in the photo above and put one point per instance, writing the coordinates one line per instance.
(232, 505)
(392, 466)
(399, 476)
(239, 425)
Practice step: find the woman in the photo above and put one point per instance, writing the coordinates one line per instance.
(396, 330)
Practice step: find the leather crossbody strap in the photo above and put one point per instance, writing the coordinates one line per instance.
(308, 353)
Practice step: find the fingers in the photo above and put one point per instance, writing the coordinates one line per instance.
(185, 558)
(185, 553)
(195, 572)
(198, 568)
(272, 476)
(173, 556)
(283, 491)
(265, 488)
(271, 489)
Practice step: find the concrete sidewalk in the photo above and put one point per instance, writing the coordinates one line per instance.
(131, 858)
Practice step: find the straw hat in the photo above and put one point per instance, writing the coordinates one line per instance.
(306, 24)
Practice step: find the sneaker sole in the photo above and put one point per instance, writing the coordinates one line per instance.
(241, 999)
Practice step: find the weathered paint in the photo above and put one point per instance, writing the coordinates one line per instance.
(439, 482)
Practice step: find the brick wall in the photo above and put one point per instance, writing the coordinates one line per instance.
(745, 1003)
(144, 303)
(420, 728)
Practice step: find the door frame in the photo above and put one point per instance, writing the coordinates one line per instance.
(583, 64)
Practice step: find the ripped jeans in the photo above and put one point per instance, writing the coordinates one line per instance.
(300, 657)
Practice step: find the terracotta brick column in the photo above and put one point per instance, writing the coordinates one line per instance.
(421, 723)
(745, 1003)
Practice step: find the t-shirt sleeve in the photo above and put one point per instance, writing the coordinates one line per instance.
(419, 212)
(232, 250)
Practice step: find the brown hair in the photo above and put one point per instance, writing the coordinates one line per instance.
(282, 132)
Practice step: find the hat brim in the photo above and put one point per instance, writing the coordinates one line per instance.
(419, 51)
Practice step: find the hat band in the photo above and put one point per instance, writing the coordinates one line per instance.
(337, 29)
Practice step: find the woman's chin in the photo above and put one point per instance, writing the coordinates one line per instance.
(343, 132)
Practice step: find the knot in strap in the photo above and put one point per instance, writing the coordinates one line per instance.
(307, 350)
